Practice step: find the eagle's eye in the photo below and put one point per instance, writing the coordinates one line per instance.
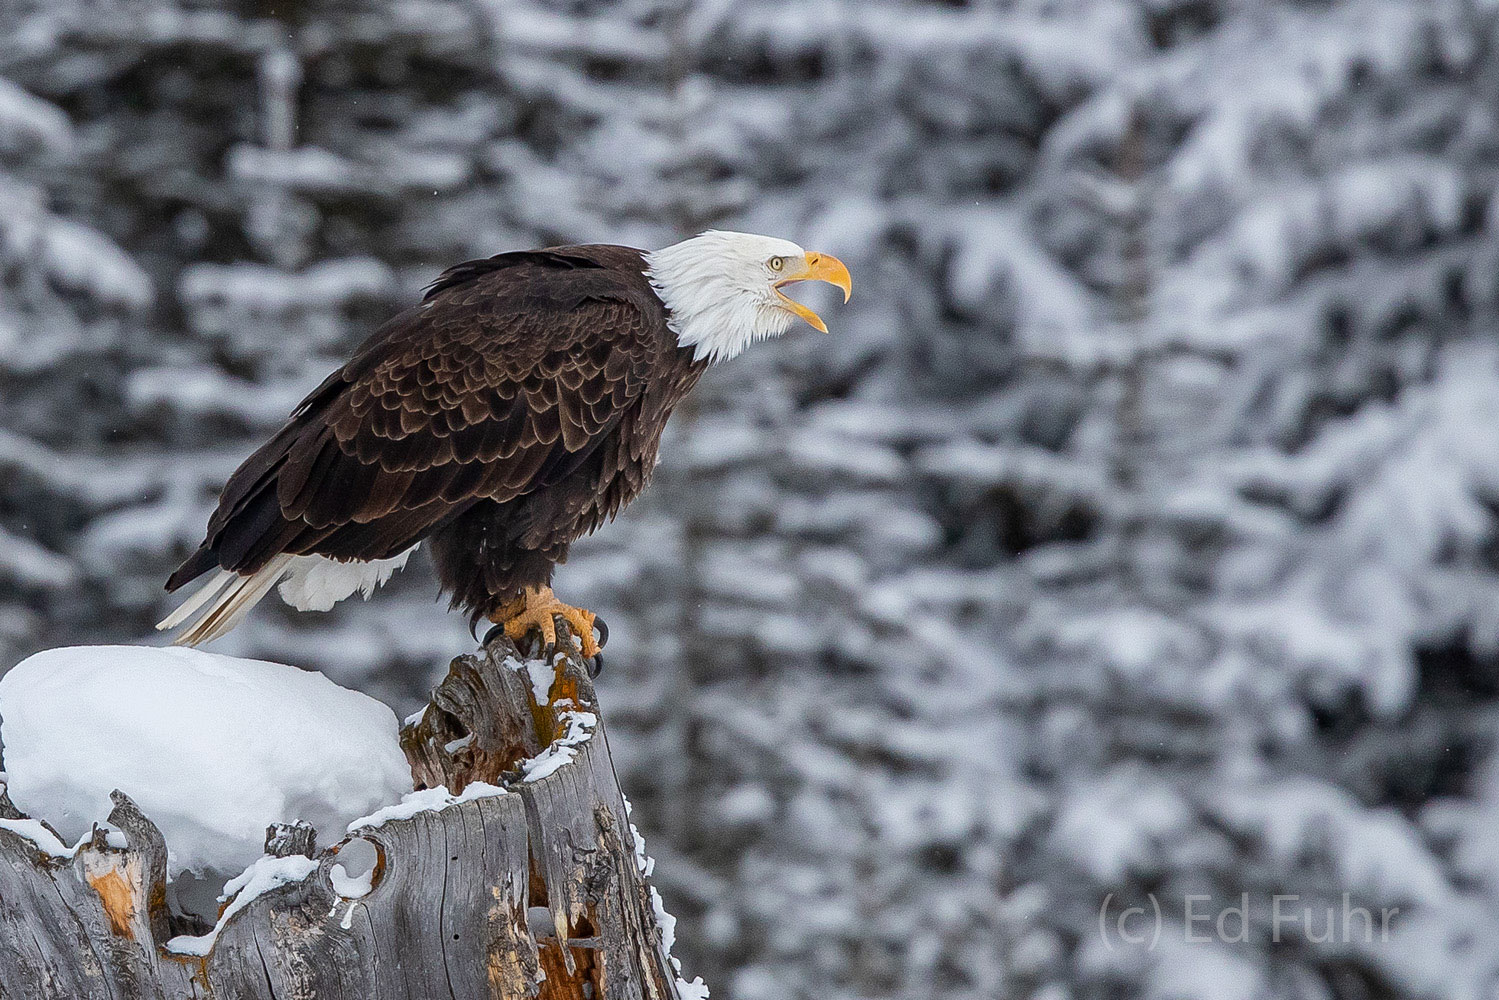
(776, 263)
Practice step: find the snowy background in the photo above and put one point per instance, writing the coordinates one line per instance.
(1136, 532)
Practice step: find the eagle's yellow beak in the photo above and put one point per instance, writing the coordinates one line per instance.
(816, 267)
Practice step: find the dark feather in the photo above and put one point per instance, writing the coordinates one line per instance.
(516, 408)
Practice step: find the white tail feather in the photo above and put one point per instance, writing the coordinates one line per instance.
(227, 609)
(312, 583)
(200, 597)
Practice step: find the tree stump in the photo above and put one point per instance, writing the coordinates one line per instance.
(516, 875)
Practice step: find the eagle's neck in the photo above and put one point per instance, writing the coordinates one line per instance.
(715, 307)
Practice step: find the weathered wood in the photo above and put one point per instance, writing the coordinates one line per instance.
(454, 892)
(479, 723)
(282, 840)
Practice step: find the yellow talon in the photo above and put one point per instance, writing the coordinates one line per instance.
(535, 608)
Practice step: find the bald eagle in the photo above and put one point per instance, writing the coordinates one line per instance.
(516, 408)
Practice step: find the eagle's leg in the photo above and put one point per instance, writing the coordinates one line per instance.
(535, 608)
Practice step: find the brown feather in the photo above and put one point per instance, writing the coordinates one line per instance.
(517, 408)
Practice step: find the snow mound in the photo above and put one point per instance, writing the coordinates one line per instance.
(212, 748)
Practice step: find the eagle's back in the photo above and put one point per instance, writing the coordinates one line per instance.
(515, 377)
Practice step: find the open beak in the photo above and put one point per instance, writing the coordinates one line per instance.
(816, 267)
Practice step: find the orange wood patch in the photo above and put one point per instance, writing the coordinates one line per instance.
(114, 892)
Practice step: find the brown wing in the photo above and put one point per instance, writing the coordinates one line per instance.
(503, 381)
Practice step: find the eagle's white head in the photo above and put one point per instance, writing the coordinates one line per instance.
(724, 289)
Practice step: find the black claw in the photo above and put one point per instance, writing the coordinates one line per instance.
(603, 631)
(493, 634)
(595, 665)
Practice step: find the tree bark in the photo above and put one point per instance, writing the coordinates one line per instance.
(530, 888)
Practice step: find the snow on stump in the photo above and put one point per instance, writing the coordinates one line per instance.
(512, 871)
